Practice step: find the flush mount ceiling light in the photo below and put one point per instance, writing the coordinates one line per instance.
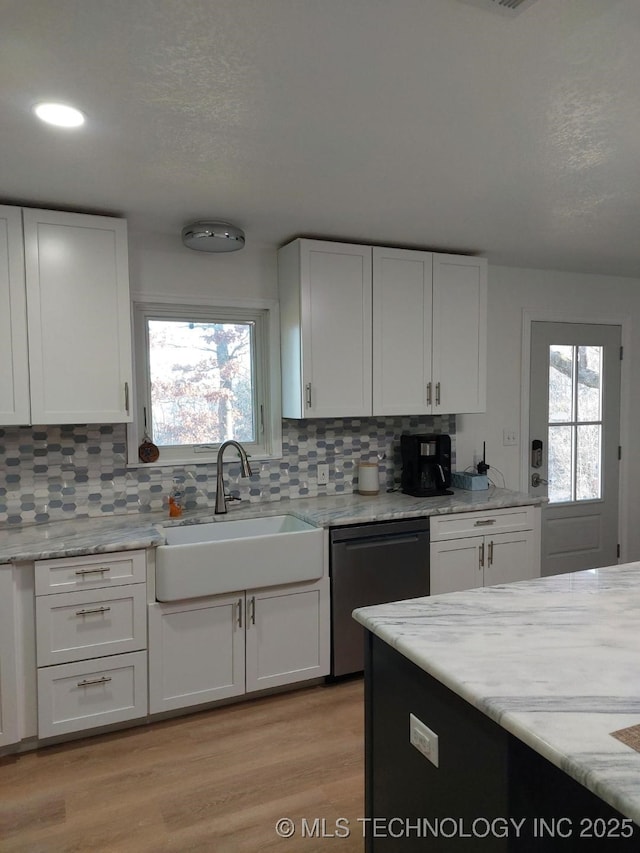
(209, 236)
(61, 115)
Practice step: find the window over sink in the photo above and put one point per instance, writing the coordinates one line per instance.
(206, 374)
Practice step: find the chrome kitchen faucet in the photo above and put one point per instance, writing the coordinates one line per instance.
(221, 498)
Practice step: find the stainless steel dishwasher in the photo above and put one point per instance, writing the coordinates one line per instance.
(372, 564)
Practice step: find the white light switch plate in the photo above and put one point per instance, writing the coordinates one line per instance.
(424, 740)
(323, 474)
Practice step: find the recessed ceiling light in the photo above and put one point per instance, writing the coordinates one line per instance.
(59, 114)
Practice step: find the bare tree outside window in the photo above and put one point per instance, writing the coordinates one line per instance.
(201, 377)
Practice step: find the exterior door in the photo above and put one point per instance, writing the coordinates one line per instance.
(574, 429)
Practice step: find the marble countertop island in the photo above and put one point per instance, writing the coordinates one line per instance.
(96, 535)
(554, 661)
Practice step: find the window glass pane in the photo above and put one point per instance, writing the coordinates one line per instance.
(560, 472)
(202, 388)
(589, 383)
(588, 476)
(561, 360)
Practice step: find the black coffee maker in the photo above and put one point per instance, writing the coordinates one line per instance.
(426, 464)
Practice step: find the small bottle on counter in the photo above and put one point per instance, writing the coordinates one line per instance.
(175, 500)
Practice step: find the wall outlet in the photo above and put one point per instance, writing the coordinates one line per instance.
(424, 740)
(323, 474)
(509, 437)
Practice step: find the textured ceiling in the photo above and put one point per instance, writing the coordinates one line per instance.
(405, 122)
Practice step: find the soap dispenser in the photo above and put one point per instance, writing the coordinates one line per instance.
(175, 500)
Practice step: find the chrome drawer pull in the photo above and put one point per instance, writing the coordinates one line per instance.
(88, 683)
(92, 571)
(94, 610)
(484, 523)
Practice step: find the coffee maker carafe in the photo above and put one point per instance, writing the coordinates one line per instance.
(426, 464)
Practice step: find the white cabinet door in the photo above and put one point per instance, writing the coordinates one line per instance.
(287, 634)
(456, 564)
(196, 652)
(402, 309)
(325, 317)
(8, 660)
(459, 334)
(509, 557)
(14, 375)
(77, 283)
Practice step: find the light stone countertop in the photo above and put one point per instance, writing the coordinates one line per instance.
(89, 535)
(554, 661)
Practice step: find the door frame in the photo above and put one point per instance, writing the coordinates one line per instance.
(532, 315)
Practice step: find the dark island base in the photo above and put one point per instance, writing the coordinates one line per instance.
(490, 792)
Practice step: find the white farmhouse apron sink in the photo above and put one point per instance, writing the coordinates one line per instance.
(227, 556)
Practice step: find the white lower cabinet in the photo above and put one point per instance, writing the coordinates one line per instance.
(196, 652)
(287, 635)
(90, 642)
(9, 728)
(461, 560)
(203, 650)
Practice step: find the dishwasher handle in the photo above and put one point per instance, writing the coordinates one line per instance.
(381, 541)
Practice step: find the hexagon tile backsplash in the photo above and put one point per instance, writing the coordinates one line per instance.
(58, 472)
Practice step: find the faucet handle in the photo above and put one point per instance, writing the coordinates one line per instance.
(232, 498)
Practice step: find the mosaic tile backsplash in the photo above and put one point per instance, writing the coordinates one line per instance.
(58, 472)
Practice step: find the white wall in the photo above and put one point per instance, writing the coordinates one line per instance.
(565, 296)
(160, 265)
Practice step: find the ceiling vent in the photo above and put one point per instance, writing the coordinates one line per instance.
(504, 7)
(210, 236)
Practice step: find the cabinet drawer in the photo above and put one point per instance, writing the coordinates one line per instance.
(82, 625)
(93, 572)
(79, 696)
(477, 523)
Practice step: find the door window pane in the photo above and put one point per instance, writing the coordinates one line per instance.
(575, 423)
(588, 477)
(561, 364)
(589, 383)
(560, 464)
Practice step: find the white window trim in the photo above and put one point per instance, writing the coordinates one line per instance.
(270, 368)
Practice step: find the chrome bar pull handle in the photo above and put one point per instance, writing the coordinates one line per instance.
(491, 552)
(428, 393)
(253, 610)
(437, 393)
(239, 605)
(484, 523)
(100, 571)
(93, 610)
(481, 556)
(126, 397)
(307, 389)
(88, 682)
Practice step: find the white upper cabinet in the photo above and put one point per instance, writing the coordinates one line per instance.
(402, 299)
(14, 375)
(78, 312)
(429, 333)
(377, 331)
(459, 334)
(325, 318)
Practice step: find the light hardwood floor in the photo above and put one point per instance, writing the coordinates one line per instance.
(213, 782)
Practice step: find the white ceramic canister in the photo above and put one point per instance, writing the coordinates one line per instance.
(368, 478)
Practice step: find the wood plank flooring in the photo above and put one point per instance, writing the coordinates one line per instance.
(213, 782)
